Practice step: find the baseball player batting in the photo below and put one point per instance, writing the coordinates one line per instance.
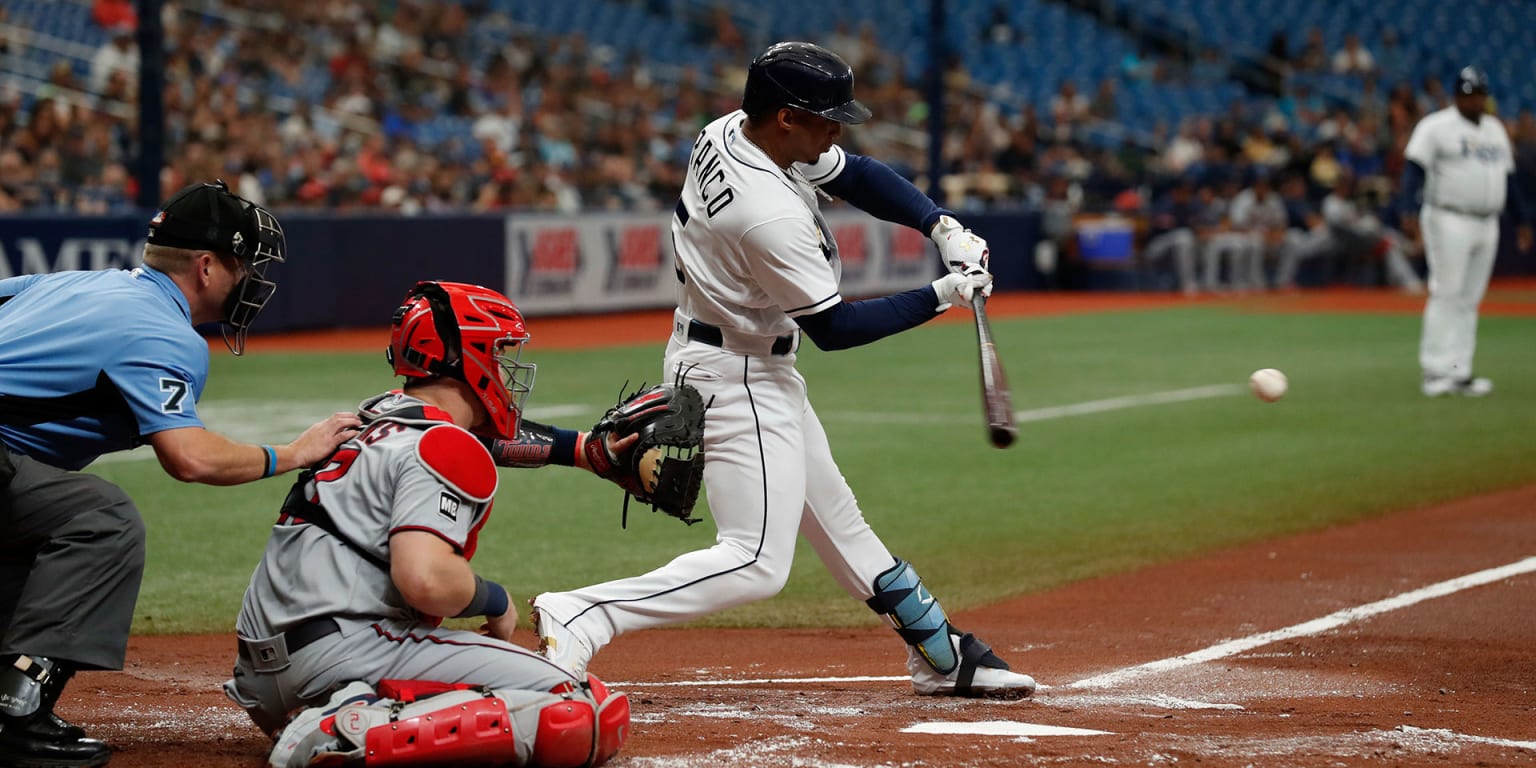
(1460, 159)
(373, 546)
(758, 269)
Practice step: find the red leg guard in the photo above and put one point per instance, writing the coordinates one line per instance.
(566, 735)
(465, 734)
(612, 720)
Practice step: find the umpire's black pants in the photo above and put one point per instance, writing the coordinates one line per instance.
(71, 558)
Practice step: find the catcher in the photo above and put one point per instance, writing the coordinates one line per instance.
(341, 655)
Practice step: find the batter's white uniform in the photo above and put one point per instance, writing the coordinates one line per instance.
(390, 477)
(753, 251)
(1466, 167)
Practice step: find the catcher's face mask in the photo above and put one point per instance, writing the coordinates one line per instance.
(469, 333)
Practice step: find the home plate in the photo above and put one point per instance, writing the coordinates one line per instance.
(1001, 728)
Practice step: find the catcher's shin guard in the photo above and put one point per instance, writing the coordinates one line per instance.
(569, 727)
(901, 598)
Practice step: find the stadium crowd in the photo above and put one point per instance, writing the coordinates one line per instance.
(407, 118)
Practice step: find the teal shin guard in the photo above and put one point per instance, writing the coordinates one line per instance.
(917, 616)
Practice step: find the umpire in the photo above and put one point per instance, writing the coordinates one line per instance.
(101, 361)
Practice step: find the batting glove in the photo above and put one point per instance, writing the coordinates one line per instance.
(958, 289)
(962, 251)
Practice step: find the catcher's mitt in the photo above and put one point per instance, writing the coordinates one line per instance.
(665, 464)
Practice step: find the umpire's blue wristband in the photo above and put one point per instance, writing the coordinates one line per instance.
(271, 468)
(490, 599)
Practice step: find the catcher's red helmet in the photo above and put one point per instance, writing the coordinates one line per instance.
(470, 333)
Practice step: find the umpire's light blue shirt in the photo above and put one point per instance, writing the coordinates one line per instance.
(93, 362)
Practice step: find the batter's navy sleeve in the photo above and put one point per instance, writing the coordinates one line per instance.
(881, 192)
(854, 323)
(1413, 186)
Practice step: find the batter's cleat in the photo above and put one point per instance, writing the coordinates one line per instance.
(980, 674)
(559, 643)
(1472, 386)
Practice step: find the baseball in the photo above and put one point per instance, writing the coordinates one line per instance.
(1268, 384)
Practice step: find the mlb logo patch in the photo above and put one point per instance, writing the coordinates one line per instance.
(448, 506)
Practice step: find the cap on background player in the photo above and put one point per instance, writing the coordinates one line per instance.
(1471, 80)
(208, 217)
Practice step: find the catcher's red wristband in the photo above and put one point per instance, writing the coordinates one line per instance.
(597, 455)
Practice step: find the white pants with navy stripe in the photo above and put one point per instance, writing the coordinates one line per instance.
(1459, 250)
(768, 477)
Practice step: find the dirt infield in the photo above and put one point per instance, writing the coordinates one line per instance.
(1450, 680)
(1388, 642)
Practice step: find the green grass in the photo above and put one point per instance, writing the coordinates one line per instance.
(1076, 497)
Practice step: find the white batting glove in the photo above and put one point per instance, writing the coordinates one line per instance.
(958, 289)
(962, 251)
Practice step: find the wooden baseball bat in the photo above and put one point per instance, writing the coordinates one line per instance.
(995, 396)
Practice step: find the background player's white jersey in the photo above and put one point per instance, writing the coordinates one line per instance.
(374, 485)
(1465, 165)
(751, 242)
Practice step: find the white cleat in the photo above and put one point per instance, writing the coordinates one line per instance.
(559, 643)
(990, 677)
(1472, 386)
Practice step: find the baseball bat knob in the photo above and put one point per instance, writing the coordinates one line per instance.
(1003, 436)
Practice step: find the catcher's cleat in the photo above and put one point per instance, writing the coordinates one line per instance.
(559, 643)
(980, 674)
(309, 740)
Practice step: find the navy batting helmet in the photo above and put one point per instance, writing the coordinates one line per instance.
(803, 76)
(1471, 80)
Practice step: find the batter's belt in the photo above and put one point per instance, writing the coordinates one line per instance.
(732, 341)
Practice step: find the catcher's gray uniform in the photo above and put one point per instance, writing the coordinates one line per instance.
(321, 609)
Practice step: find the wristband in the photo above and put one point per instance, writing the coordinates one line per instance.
(490, 599)
(271, 468)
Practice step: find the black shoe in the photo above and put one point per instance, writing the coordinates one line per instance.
(33, 736)
(48, 742)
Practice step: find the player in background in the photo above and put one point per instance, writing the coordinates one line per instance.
(758, 269)
(341, 619)
(1258, 214)
(1353, 235)
(1171, 234)
(1460, 159)
(103, 361)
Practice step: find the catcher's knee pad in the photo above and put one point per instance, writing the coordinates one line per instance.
(612, 720)
(916, 615)
(582, 735)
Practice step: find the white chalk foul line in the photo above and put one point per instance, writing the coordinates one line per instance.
(760, 681)
(1001, 728)
(1315, 626)
(1055, 411)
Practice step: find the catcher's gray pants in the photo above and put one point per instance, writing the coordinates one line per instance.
(271, 685)
(71, 557)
